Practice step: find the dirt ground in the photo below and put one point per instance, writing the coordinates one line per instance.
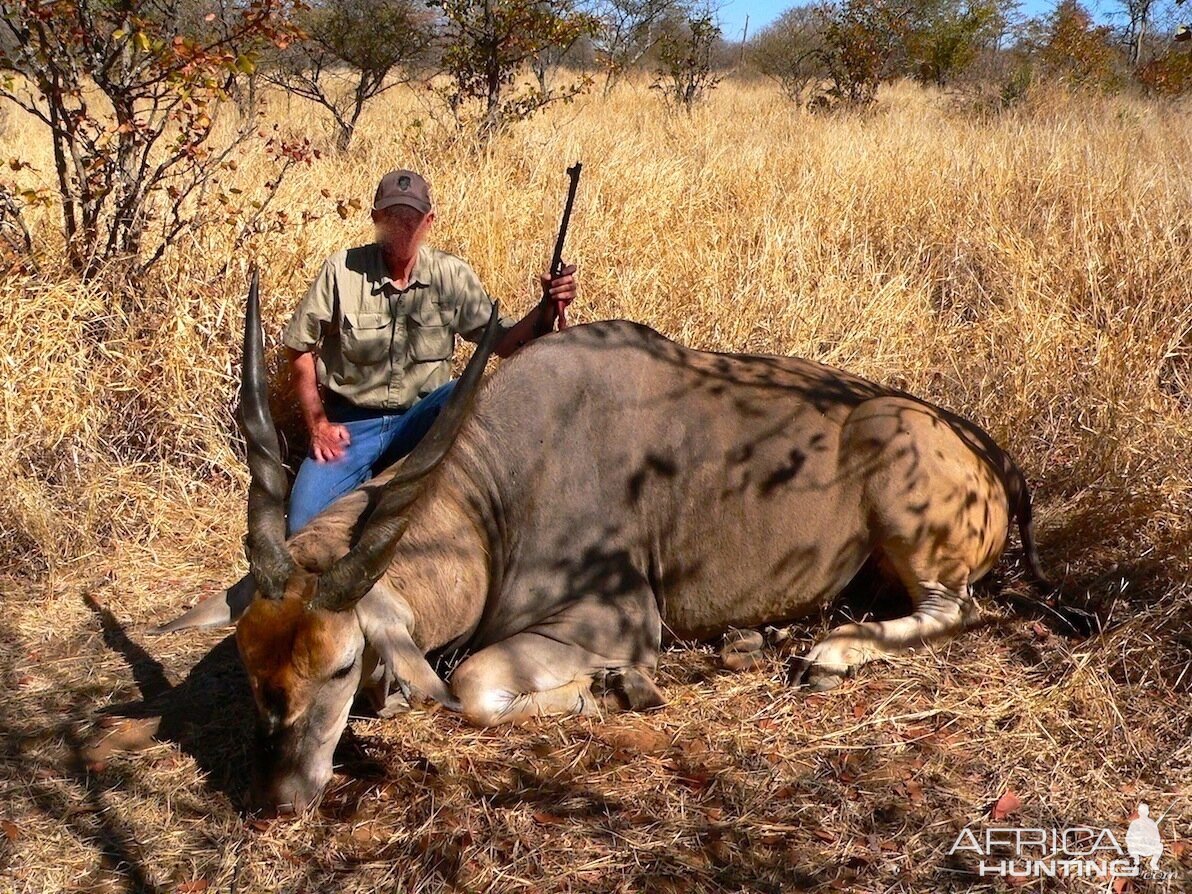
(741, 783)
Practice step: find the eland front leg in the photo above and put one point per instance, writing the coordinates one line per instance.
(527, 675)
(610, 637)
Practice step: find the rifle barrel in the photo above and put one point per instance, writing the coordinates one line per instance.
(556, 264)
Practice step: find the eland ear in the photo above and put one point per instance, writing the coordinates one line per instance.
(223, 610)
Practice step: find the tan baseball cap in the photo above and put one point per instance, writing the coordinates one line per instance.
(402, 188)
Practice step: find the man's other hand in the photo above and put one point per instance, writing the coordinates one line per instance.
(328, 440)
(560, 290)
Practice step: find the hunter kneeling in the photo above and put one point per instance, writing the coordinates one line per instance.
(371, 343)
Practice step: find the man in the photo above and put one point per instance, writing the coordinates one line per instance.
(377, 329)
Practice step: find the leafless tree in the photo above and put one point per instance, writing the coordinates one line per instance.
(790, 51)
(628, 30)
(352, 52)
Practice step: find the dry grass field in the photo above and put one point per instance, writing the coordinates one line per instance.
(1029, 270)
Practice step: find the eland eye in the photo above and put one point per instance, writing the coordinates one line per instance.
(343, 671)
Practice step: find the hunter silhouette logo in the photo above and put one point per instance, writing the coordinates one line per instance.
(1142, 838)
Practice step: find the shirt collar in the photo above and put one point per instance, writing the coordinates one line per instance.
(419, 276)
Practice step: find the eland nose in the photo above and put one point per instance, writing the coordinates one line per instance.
(283, 797)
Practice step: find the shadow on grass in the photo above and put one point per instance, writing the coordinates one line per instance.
(33, 731)
(209, 715)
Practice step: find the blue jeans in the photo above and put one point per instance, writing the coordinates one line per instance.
(378, 438)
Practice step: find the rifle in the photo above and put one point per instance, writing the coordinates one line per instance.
(556, 263)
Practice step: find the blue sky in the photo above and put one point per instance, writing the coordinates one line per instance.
(732, 13)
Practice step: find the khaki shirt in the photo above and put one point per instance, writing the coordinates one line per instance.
(385, 347)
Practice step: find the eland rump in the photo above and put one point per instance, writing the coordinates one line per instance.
(604, 486)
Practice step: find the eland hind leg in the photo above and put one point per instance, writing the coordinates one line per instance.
(942, 609)
(939, 513)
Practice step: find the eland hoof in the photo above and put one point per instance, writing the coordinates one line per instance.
(627, 688)
(814, 677)
(742, 649)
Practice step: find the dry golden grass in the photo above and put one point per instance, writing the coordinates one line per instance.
(1027, 270)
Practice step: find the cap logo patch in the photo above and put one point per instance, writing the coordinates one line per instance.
(403, 182)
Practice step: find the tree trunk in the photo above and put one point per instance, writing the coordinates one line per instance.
(347, 126)
(347, 129)
(492, 107)
(70, 217)
(124, 235)
(609, 80)
(246, 97)
(343, 136)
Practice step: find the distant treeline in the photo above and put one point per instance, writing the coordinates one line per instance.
(130, 92)
(843, 52)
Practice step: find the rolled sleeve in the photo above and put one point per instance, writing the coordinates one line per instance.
(314, 312)
(475, 306)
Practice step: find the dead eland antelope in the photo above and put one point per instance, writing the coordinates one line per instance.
(604, 486)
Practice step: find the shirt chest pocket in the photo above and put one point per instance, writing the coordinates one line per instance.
(364, 338)
(431, 339)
